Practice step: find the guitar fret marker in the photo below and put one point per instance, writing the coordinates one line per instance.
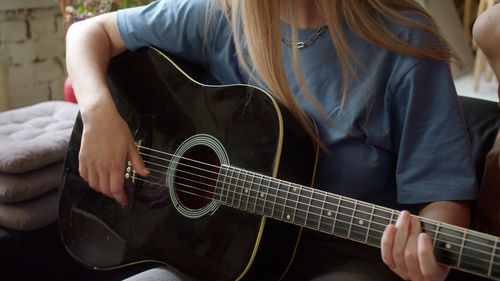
(361, 222)
(286, 199)
(287, 217)
(448, 246)
(246, 190)
(329, 213)
(262, 194)
(295, 189)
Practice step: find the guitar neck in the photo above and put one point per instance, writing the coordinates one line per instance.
(349, 218)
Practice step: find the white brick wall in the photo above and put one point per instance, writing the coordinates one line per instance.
(32, 42)
(14, 30)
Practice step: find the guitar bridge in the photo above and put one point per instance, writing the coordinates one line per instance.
(129, 164)
(143, 138)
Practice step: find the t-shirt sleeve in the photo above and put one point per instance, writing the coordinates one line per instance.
(434, 155)
(174, 26)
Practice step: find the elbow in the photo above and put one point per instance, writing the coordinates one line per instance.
(75, 33)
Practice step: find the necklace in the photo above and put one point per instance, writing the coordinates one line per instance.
(302, 44)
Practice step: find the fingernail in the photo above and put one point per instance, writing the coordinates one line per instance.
(403, 215)
(421, 237)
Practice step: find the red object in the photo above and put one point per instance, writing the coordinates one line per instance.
(69, 94)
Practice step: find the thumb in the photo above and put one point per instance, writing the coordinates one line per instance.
(136, 160)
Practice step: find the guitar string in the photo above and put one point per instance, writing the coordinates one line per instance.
(261, 185)
(463, 255)
(360, 203)
(250, 197)
(431, 231)
(338, 220)
(353, 201)
(462, 261)
(279, 204)
(320, 215)
(345, 199)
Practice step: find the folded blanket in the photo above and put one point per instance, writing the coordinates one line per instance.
(25, 186)
(35, 136)
(30, 215)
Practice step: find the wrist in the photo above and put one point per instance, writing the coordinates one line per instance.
(97, 109)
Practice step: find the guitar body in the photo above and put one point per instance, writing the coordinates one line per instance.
(165, 221)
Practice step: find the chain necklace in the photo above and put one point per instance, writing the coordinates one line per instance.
(302, 44)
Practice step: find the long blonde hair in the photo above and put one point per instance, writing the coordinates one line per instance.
(257, 23)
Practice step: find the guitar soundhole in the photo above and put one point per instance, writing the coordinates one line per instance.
(196, 176)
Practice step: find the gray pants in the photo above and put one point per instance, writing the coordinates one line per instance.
(319, 257)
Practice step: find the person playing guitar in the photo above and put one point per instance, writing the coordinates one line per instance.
(373, 74)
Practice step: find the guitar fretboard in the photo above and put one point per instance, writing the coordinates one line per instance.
(350, 218)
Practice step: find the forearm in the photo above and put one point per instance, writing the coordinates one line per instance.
(89, 47)
(452, 212)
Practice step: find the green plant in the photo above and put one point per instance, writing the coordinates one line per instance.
(132, 3)
(82, 9)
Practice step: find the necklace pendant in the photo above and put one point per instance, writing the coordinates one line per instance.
(303, 44)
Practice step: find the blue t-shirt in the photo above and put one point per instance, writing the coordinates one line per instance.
(402, 138)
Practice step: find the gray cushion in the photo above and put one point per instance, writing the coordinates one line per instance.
(25, 186)
(30, 215)
(35, 136)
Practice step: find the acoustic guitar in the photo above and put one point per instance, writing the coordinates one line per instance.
(226, 199)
